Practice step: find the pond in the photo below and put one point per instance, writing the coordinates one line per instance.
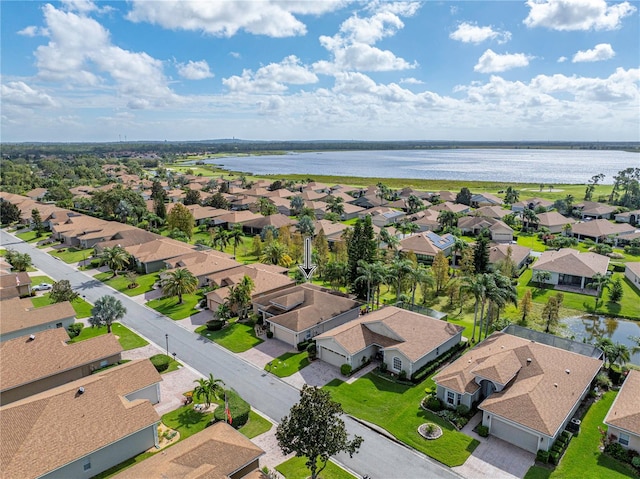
(589, 328)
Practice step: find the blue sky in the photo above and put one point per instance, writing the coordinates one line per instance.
(330, 69)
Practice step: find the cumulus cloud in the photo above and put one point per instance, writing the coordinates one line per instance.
(567, 15)
(80, 52)
(194, 70)
(411, 81)
(235, 54)
(226, 17)
(562, 59)
(20, 94)
(472, 33)
(600, 52)
(272, 78)
(491, 62)
(31, 31)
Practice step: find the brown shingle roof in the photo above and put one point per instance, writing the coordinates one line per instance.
(17, 314)
(202, 263)
(598, 228)
(158, 250)
(214, 453)
(625, 410)
(542, 393)
(570, 261)
(553, 218)
(44, 436)
(22, 358)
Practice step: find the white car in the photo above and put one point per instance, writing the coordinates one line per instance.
(42, 287)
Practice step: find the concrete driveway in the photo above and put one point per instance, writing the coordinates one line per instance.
(496, 459)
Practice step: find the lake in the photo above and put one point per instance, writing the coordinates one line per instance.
(591, 327)
(498, 165)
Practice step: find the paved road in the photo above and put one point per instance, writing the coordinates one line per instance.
(379, 457)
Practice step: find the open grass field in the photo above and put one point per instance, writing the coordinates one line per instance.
(235, 337)
(396, 408)
(121, 283)
(80, 306)
(127, 338)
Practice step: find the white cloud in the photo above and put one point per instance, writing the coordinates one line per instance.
(31, 31)
(194, 70)
(235, 54)
(20, 94)
(491, 62)
(272, 78)
(472, 33)
(226, 17)
(562, 59)
(411, 81)
(567, 15)
(600, 52)
(84, 6)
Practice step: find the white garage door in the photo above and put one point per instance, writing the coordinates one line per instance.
(515, 436)
(331, 357)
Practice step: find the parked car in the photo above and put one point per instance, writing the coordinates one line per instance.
(42, 287)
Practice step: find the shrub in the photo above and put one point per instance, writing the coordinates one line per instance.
(603, 381)
(383, 367)
(160, 362)
(303, 345)
(616, 451)
(616, 376)
(312, 350)
(403, 375)
(215, 324)
(75, 329)
(431, 366)
(345, 369)
(462, 410)
(636, 462)
(554, 458)
(269, 334)
(238, 407)
(542, 456)
(434, 404)
(483, 431)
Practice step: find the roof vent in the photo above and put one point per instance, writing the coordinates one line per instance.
(528, 360)
(568, 371)
(555, 385)
(80, 390)
(32, 337)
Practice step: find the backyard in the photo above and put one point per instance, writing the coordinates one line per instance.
(396, 408)
(236, 337)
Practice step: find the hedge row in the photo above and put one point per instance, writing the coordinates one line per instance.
(160, 362)
(238, 407)
(431, 366)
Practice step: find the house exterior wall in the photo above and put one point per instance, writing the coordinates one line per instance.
(389, 359)
(634, 440)
(153, 266)
(65, 323)
(435, 353)
(515, 434)
(553, 279)
(631, 276)
(150, 393)
(465, 399)
(366, 354)
(252, 466)
(108, 456)
(299, 336)
(55, 380)
(502, 236)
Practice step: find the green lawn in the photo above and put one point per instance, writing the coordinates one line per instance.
(288, 363)
(396, 408)
(235, 337)
(121, 283)
(186, 420)
(169, 306)
(32, 236)
(255, 426)
(36, 280)
(73, 255)
(583, 459)
(80, 306)
(294, 468)
(173, 366)
(531, 241)
(127, 338)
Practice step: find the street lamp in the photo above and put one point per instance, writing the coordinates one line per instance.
(166, 336)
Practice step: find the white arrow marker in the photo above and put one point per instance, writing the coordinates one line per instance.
(307, 268)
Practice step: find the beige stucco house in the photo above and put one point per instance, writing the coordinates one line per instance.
(19, 318)
(569, 267)
(632, 273)
(623, 419)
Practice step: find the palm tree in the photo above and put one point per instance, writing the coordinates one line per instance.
(235, 236)
(273, 253)
(336, 205)
(414, 204)
(305, 226)
(636, 348)
(459, 246)
(178, 282)
(502, 293)
(296, 204)
(529, 218)
(447, 218)
(367, 275)
(620, 354)
(608, 349)
(208, 389)
(390, 240)
(407, 227)
(219, 237)
(420, 275)
(599, 282)
(399, 269)
(477, 287)
(240, 296)
(106, 310)
(115, 258)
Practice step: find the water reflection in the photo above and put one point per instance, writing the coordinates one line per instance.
(590, 328)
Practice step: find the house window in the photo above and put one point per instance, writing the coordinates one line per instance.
(87, 463)
(397, 364)
(58, 325)
(624, 439)
(104, 363)
(451, 397)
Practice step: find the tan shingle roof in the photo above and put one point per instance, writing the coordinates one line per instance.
(501, 251)
(597, 228)
(265, 279)
(570, 261)
(22, 358)
(214, 453)
(553, 218)
(625, 410)
(202, 263)
(17, 314)
(542, 393)
(59, 426)
(158, 250)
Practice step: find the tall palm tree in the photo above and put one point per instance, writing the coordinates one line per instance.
(115, 258)
(502, 293)
(447, 218)
(475, 286)
(391, 241)
(529, 217)
(621, 354)
(178, 282)
(106, 310)
(208, 389)
(367, 275)
(399, 269)
(422, 276)
(273, 253)
(219, 237)
(235, 236)
(599, 282)
(407, 227)
(296, 204)
(242, 295)
(336, 205)
(458, 246)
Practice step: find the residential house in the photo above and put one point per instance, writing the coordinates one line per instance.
(82, 428)
(445, 196)
(37, 194)
(277, 221)
(14, 285)
(403, 340)
(427, 245)
(23, 372)
(600, 230)
(520, 255)
(20, 318)
(527, 390)
(201, 214)
(569, 267)
(332, 231)
(532, 204)
(428, 220)
(623, 418)
(383, 216)
(553, 221)
(283, 205)
(104, 233)
(75, 226)
(319, 208)
(499, 231)
(127, 237)
(350, 211)
(304, 311)
(485, 199)
(596, 211)
(175, 195)
(202, 264)
(150, 257)
(310, 195)
(632, 273)
(266, 279)
(217, 452)
(452, 207)
(495, 212)
(367, 201)
(631, 217)
(232, 218)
